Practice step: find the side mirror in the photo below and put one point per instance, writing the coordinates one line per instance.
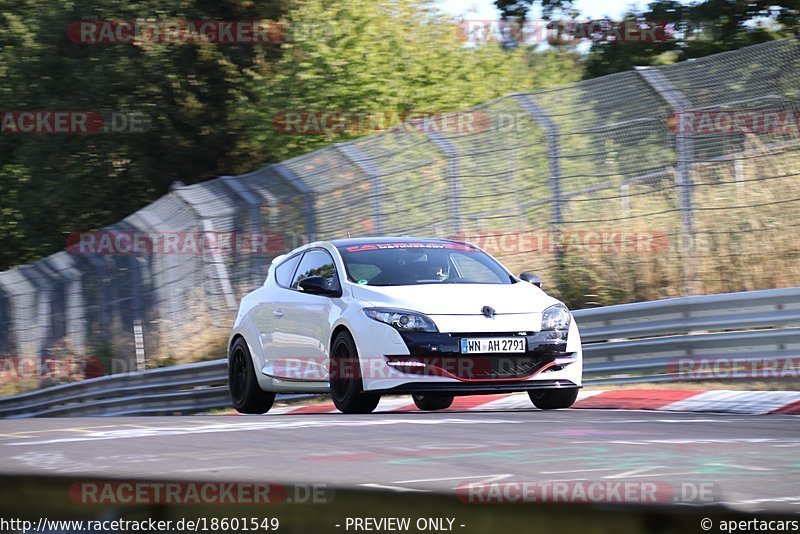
(317, 285)
(531, 278)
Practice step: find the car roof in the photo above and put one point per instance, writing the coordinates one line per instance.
(351, 241)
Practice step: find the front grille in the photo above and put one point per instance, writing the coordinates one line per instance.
(490, 334)
(470, 367)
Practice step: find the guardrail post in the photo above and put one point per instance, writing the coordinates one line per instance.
(353, 154)
(295, 182)
(540, 117)
(685, 156)
(454, 194)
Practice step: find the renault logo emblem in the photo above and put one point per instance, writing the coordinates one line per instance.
(487, 311)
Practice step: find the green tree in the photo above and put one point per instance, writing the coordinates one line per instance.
(698, 29)
(387, 56)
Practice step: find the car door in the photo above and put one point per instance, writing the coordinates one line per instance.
(301, 339)
(268, 316)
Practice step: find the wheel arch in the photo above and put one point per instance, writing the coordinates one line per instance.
(234, 337)
(341, 327)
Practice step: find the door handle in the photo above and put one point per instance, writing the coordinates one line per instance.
(277, 313)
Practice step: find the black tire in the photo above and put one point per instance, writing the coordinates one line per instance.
(246, 394)
(347, 389)
(432, 402)
(553, 399)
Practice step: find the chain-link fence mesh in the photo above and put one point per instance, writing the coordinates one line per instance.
(555, 182)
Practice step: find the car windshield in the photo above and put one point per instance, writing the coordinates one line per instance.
(398, 264)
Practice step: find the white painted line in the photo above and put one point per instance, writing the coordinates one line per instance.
(396, 488)
(635, 472)
(576, 471)
(585, 394)
(206, 469)
(740, 466)
(648, 475)
(489, 478)
(517, 401)
(389, 404)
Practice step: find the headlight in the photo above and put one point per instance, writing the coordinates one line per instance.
(404, 321)
(556, 317)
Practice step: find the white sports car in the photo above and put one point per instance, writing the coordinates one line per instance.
(388, 315)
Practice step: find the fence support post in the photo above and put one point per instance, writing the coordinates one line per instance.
(353, 155)
(454, 194)
(685, 157)
(99, 275)
(540, 117)
(257, 261)
(72, 305)
(288, 176)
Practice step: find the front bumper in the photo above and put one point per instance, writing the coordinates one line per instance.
(439, 354)
(483, 388)
(377, 343)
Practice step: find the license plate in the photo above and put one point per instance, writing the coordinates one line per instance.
(492, 344)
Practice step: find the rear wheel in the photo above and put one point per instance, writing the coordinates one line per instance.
(432, 402)
(246, 394)
(347, 389)
(553, 399)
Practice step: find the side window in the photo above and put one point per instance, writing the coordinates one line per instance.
(317, 263)
(284, 271)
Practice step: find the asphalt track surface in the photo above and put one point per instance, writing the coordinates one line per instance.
(754, 461)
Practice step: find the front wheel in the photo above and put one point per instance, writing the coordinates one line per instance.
(347, 389)
(553, 399)
(246, 394)
(432, 402)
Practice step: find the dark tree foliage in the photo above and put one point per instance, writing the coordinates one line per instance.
(698, 29)
(51, 185)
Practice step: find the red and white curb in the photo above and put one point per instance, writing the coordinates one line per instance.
(668, 400)
(718, 401)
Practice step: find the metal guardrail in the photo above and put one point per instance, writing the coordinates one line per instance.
(769, 308)
(178, 389)
(686, 339)
(629, 343)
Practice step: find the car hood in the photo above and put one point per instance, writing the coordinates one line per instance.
(458, 299)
